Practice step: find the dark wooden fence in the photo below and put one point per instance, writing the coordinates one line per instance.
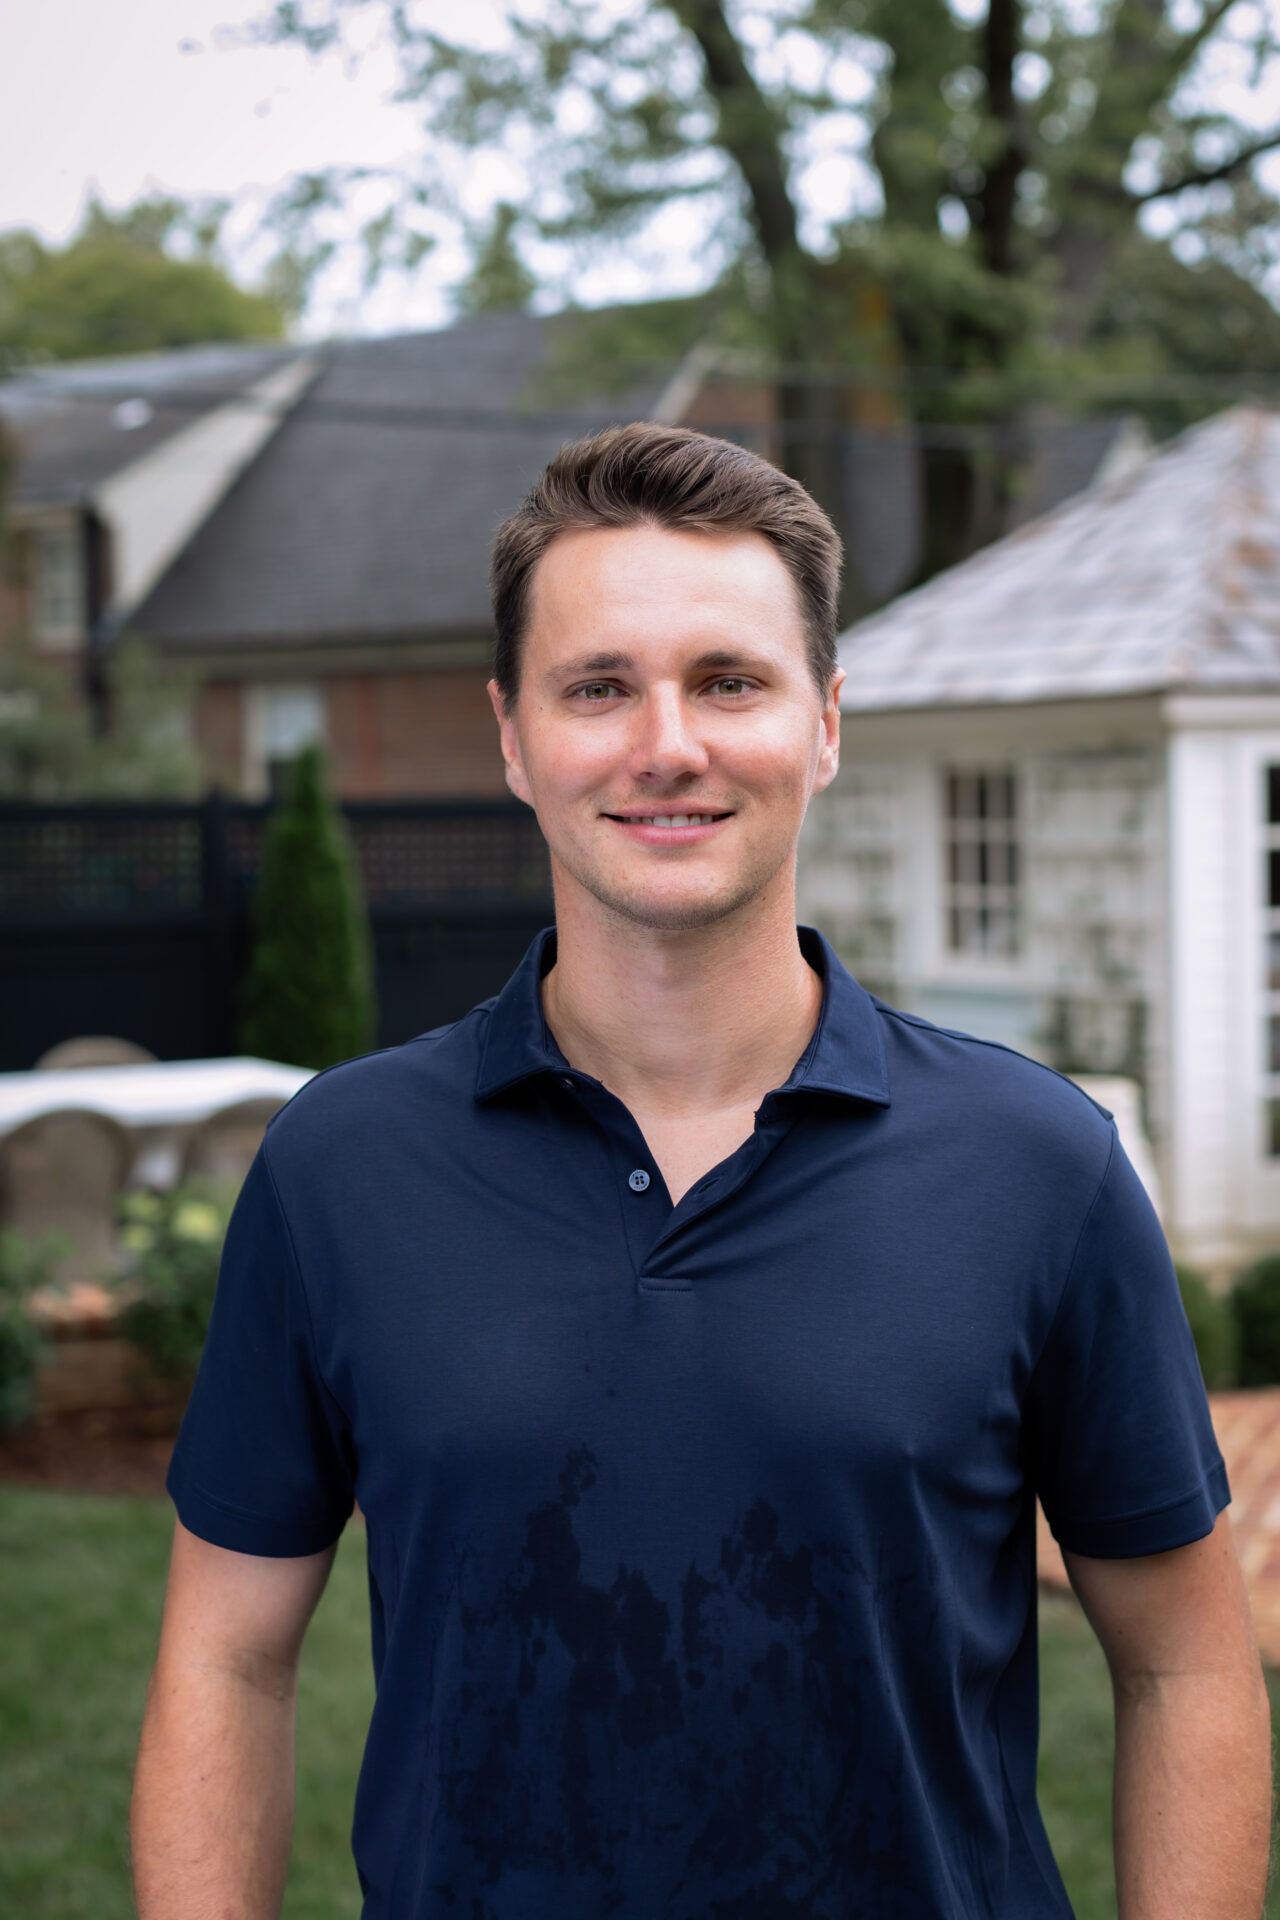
(132, 919)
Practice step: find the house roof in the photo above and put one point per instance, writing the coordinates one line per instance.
(1165, 574)
(78, 424)
(370, 512)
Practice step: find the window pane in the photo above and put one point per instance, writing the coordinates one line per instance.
(1272, 1111)
(981, 862)
(292, 717)
(1273, 879)
(966, 932)
(1273, 1043)
(57, 578)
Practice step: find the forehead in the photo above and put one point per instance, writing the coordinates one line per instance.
(604, 585)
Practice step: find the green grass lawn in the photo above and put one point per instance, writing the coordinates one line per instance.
(80, 1586)
(81, 1581)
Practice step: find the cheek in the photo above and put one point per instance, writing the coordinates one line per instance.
(564, 769)
(778, 765)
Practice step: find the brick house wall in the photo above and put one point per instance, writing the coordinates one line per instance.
(400, 734)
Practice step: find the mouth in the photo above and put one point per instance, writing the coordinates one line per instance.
(667, 819)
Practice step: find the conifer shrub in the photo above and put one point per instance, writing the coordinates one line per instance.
(308, 996)
(1256, 1302)
(1213, 1328)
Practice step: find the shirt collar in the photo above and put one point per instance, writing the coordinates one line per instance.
(844, 1057)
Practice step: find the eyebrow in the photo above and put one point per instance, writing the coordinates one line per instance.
(589, 663)
(716, 659)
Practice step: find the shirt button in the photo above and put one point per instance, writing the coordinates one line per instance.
(638, 1180)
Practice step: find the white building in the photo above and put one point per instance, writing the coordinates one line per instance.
(1058, 818)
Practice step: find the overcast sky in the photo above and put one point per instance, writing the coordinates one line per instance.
(136, 97)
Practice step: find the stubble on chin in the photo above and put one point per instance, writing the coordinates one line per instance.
(631, 908)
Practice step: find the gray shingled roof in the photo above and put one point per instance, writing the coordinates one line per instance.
(77, 424)
(369, 514)
(1168, 577)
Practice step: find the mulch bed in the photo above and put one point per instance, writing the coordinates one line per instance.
(94, 1450)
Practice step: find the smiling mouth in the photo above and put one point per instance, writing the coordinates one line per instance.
(667, 819)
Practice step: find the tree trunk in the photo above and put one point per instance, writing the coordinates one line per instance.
(751, 133)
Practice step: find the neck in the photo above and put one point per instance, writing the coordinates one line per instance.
(691, 1020)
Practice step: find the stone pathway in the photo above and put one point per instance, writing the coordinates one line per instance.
(1248, 1430)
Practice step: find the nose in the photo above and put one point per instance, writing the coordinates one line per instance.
(667, 743)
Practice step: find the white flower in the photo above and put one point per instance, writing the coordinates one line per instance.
(197, 1220)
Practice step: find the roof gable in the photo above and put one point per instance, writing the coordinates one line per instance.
(371, 512)
(79, 423)
(1167, 576)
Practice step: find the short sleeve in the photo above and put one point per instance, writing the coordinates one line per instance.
(263, 1461)
(1120, 1443)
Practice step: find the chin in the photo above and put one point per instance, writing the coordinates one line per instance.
(675, 914)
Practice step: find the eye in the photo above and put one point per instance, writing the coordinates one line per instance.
(595, 691)
(732, 685)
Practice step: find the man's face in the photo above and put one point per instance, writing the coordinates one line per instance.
(669, 733)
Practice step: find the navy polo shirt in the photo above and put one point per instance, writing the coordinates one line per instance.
(701, 1539)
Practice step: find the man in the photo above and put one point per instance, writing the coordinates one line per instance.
(695, 1334)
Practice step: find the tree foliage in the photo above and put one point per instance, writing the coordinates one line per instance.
(499, 281)
(1034, 134)
(122, 286)
(308, 995)
(1013, 180)
(49, 749)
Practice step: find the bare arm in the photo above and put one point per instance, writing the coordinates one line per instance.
(1192, 1800)
(212, 1816)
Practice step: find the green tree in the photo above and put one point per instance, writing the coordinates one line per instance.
(999, 164)
(49, 749)
(499, 281)
(120, 287)
(308, 995)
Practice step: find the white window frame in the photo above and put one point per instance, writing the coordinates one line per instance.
(975, 963)
(56, 628)
(273, 733)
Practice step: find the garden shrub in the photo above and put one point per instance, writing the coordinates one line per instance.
(308, 993)
(172, 1243)
(1213, 1328)
(1256, 1303)
(24, 1266)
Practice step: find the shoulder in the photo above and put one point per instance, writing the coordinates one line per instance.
(361, 1105)
(988, 1093)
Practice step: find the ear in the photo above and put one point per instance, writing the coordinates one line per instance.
(829, 750)
(509, 736)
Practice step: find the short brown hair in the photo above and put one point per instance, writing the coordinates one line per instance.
(666, 477)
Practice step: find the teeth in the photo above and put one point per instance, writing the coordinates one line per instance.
(679, 819)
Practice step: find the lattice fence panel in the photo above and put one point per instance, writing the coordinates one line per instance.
(100, 863)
